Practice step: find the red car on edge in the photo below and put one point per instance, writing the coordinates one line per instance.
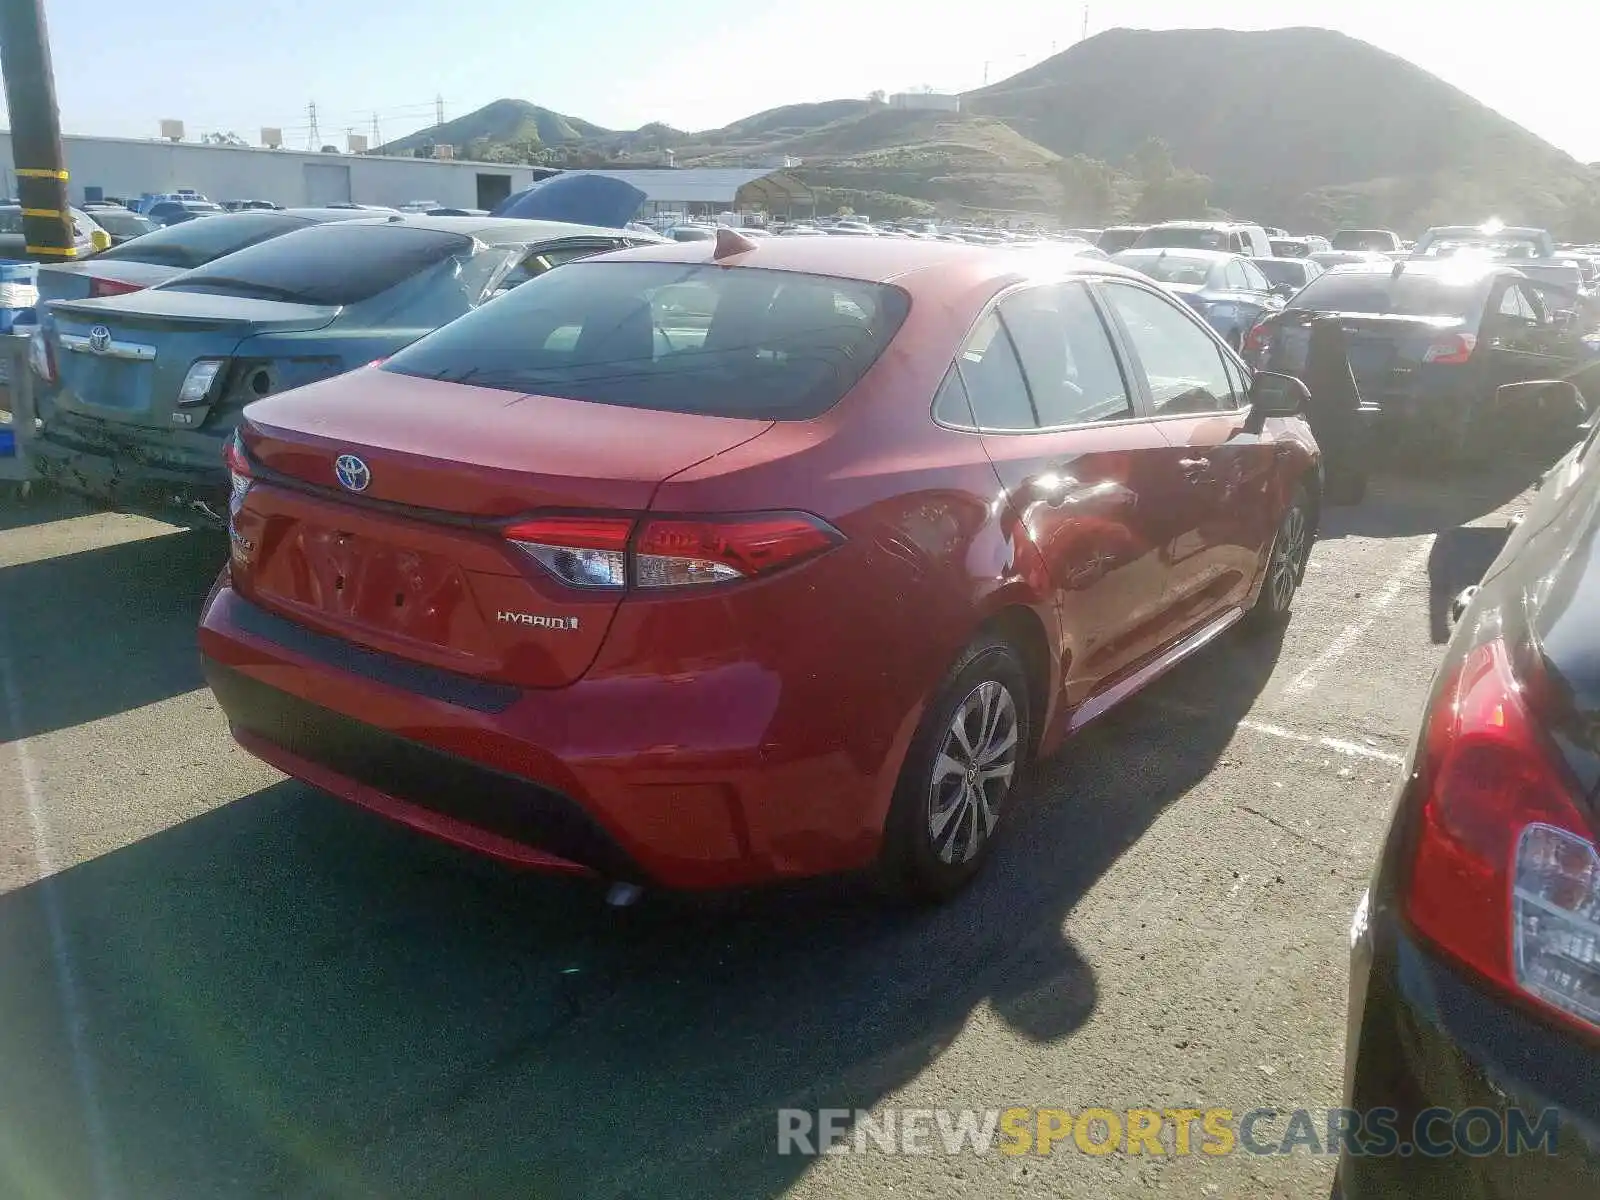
(716, 562)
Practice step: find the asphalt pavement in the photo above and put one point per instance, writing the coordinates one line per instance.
(217, 983)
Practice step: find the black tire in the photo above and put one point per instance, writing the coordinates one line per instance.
(920, 860)
(1286, 563)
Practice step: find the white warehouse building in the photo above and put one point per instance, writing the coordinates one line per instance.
(125, 168)
(129, 167)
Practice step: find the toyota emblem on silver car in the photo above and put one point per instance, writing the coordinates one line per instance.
(99, 339)
(352, 472)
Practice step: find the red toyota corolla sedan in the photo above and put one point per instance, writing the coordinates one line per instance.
(716, 562)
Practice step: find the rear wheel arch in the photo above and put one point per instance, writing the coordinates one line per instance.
(1024, 630)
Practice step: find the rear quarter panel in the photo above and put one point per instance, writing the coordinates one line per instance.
(863, 636)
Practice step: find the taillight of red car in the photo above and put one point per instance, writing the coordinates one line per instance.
(240, 476)
(111, 287)
(1452, 348)
(1506, 872)
(1256, 343)
(670, 552)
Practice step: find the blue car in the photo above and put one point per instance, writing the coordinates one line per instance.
(1228, 290)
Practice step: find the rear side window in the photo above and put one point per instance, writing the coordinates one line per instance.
(195, 243)
(334, 264)
(691, 338)
(994, 381)
(1408, 295)
(1066, 354)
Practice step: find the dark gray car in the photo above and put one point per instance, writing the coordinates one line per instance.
(164, 253)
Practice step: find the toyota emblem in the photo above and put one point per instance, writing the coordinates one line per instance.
(99, 339)
(352, 472)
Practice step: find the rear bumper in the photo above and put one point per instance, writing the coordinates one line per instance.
(621, 777)
(1425, 1037)
(119, 476)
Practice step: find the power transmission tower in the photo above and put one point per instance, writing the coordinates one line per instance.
(376, 139)
(438, 109)
(314, 137)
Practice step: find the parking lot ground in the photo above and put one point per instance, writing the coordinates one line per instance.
(215, 982)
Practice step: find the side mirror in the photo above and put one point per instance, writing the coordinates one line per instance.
(1283, 290)
(1275, 395)
(100, 240)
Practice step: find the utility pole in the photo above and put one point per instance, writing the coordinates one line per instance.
(1085, 22)
(314, 136)
(35, 130)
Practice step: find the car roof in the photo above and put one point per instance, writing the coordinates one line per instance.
(1205, 225)
(1142, 252)
(874, 260)
(1481, 231)
(493, 230)
(1273, 258)
(1458, 270)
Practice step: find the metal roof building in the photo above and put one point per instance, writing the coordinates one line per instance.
(130, 167)
(709, 190)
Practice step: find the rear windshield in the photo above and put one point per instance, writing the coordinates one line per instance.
(1114, 239)
(1380, 292)
(122, 224)
(1288, 249)
(1278, 271)
(334, 264)
(1485, 247)
(1170, 268)
(1364, 239)
(195, 243)
(675, 337)
(1193, 239)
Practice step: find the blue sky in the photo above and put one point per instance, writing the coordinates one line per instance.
(242, 64)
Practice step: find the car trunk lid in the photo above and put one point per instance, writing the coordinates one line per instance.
(417, 563)
(1383, 349)
(124, 360)
(76, 281)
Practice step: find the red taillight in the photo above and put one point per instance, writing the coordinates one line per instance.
(1454, 348)
(1254, 347)
(240, 475)
(594, 551)
(672, 553)
(111, 287)
(1505, 875)
(589, 552)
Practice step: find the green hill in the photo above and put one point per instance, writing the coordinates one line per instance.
(498, 122)
(1288, 123)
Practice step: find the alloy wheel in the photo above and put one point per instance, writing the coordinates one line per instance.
(973, 772)
(1288, 557)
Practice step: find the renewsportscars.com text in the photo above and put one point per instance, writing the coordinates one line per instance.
(1378, 1132)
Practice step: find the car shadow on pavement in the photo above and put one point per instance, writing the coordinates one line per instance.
(98, 632)
(289, 997)
(1411, 502)
(19, 511)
